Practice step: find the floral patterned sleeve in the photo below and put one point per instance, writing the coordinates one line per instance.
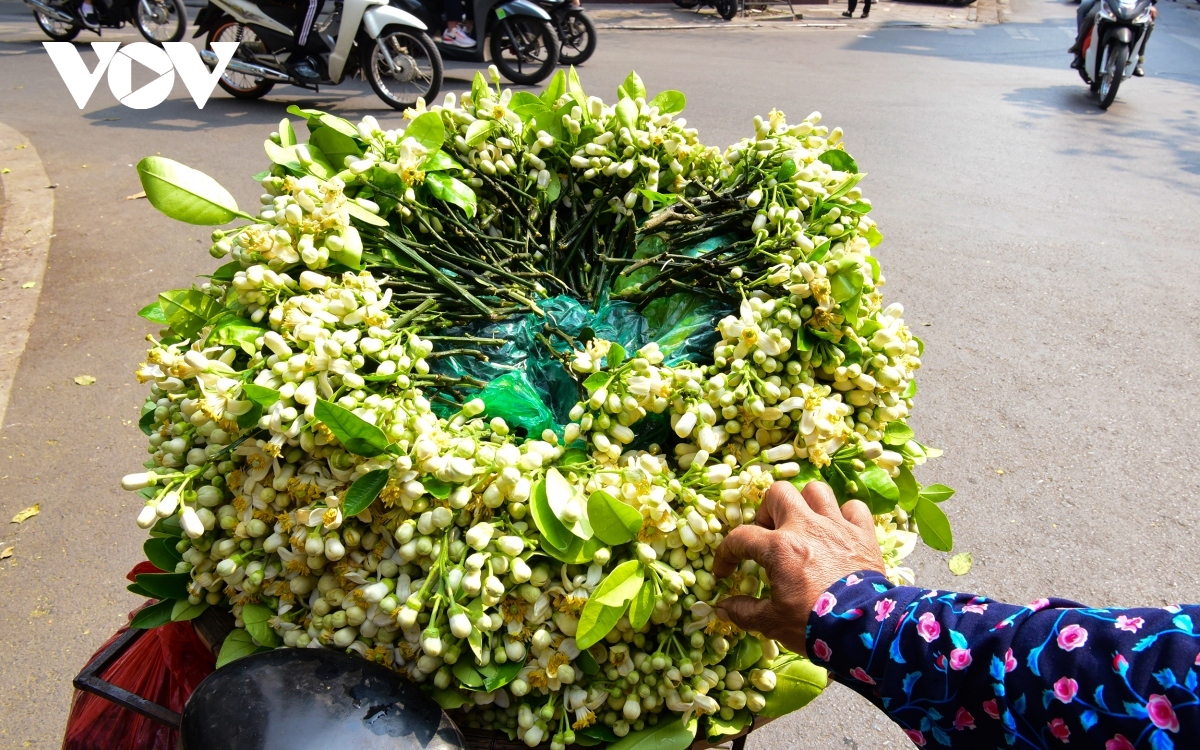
(962, 671)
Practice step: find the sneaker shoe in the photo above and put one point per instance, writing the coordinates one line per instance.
(1138, 71)
(847, 14)
(304, 71)
(458, 38)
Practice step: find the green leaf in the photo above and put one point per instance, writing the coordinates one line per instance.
(910, 390)
(666, 735)
(450, 699)
(189, 310)
(184, 610)
(881, 492)
(718, 727)
(555, 89)
(938, 493)
(358, 212)
(153, 312)
(575, 89)
(797, 682)
(440, 161)
(669, 102)
(255, 616)
(908, 486)
(846, 284)
(613, 521)
(526, 105)
(235, 331)
(357, 435)
(427, 130)
(478, 131)
(874, 236)
(186, 194)
(560, 494)
(168, 527)
(452, 190)
(621, 585)
(336, 146)
(552, 529)
(480, 89)
(475, 641)
(579, 551)
(364, 491)
(502, 674)
(839, 160)
(745, 654)
(236, 645)
(808, 473)
(786, 171)
(616, 355)
(165, 585)
(844, 188)
(933, 525)
(587, 662)
(137, 590)
(961, 563)
(161, 553)
(146, 422)
(251, 418)
(154, 615)
(897, 433)
(466, 674)
(642, 606)
(627, 113)
(595, 622)
(632, 87)
(260, 395)
(596, 380)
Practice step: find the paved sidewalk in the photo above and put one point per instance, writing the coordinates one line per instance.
(886, 13)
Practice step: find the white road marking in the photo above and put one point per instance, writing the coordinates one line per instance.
(25, 230)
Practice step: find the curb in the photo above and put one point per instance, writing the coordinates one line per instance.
(26, 226)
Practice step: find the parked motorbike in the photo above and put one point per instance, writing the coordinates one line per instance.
(1112, 48)
(726, 9)
(576, 33)
(390, 46)
(518, 34)
(156, 20)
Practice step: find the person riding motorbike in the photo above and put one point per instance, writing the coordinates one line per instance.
(301, 62)
(1085, 16)
(455, 32)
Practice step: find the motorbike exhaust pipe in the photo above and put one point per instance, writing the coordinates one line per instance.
(50, 12)
(246, 68)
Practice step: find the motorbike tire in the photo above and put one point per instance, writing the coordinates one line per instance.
(522, 37)
(256, 90)
(57, 30)
(1116, 56)
(687, 4)
(726, 9)
(410, 44)
(174, 11)
(578, 37)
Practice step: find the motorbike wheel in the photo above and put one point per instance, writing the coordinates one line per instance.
(402, 65)
(726, 9)
(687, 4)
(578, 37)
(161, 20)
(55, 29)
(1116, 57)
(524, 49)
(239, 85)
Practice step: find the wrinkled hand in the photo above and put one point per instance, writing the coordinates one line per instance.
(806, 543)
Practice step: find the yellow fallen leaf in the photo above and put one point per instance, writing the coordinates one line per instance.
(29, 285)
(999, 471)
(7, 553)
(961, 563)
(6, 170)
(135, 196)
(27, 514)
(84, 380)
(23, 145)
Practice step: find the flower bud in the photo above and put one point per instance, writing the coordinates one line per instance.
(191, 523)
(134, 482)
(147, 517)
(460, 625)
(479, 535)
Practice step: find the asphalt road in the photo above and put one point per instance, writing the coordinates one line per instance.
(1045, 251)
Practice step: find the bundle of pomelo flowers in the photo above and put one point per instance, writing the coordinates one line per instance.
(535, 548)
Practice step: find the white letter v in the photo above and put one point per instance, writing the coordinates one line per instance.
(80, 81)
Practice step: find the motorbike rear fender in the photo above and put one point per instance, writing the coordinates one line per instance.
(209, 17)
(522, 8)
(416, 8)
(379, 17)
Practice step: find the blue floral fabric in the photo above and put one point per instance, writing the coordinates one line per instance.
(962, 671)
